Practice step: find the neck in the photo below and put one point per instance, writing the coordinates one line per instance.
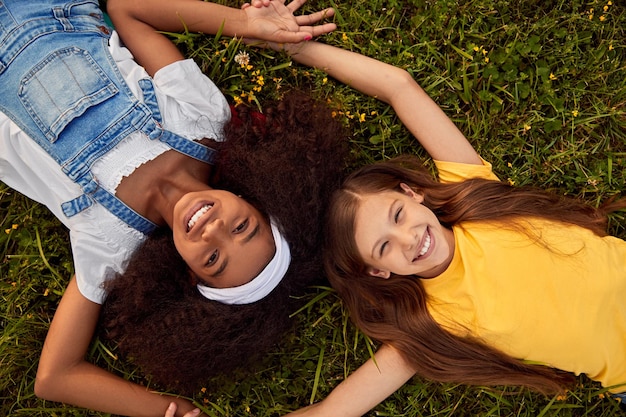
(156, 186)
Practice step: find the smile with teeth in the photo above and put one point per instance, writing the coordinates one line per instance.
(196, 216)
(426, 246)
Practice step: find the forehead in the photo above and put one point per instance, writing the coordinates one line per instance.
(371, 218)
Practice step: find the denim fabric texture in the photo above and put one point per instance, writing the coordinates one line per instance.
(62, 87)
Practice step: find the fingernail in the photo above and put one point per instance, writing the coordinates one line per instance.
(308, 37)
(195, 412)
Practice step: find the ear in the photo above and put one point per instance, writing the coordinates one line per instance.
(380, 273)
(411, 193)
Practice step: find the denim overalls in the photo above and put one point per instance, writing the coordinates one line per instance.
(60, 85)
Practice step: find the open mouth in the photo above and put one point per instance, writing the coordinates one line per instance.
(425, 246)
(202, 210)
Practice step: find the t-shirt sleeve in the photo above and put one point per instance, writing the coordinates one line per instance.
(457, 172)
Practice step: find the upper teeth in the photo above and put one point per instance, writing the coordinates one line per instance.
(426, 245)
(197, 215)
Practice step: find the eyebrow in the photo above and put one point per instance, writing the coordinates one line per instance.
(245, 240)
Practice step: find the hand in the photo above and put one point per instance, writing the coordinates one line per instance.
(272, 21)
(171, 411)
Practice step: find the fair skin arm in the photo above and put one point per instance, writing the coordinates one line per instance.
(65, 376)
(392, 85)
(137, 22)
(365, 388)
(374, 381)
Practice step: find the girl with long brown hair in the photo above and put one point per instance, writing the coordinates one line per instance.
(465, 279)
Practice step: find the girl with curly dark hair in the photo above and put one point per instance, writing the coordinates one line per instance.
(117, 151)
(466, 279)
(287, 163)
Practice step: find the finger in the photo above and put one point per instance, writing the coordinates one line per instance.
(319, 29)
(171, 410)
(309, 19)
(260, 3)
(295, 5)
(245, 6)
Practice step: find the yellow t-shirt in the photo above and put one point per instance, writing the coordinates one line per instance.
(560, 301)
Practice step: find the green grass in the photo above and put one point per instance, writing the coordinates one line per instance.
(538, 86)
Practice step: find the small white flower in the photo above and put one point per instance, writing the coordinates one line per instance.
(242, 58)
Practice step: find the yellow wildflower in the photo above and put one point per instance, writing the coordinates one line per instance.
(324, 80)
(46, 292)
(510, 165)
(238, 100)
(610, 47)
(510, 181)
(486, 59)
(552, 76)
(362, 117)
(602, 18)
(344, 37)
(575, 113)
(527, 128)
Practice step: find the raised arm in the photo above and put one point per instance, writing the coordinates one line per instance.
(64, 375)
(419, 113)
(137, 22)
(365, 388)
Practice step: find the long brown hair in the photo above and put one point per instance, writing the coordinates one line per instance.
(394, 311)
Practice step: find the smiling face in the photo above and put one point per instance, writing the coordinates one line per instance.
(224, 240)
(396, 233)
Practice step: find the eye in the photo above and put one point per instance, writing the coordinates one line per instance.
(396, 217)
(382, 248)
(213, 258)
(241, 227)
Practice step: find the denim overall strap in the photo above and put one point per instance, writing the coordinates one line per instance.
(188, 147)
(62, 87)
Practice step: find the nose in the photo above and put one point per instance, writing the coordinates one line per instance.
(214, 230)
(405, 239)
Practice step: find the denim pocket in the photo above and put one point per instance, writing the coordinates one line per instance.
(62, 87)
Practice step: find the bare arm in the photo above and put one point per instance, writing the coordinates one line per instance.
(64, 375)
(419, 113)
(365, 388)
(137, 22)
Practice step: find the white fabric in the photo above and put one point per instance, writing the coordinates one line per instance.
(191, 106)
(262, 284)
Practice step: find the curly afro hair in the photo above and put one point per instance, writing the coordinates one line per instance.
(287, 162)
